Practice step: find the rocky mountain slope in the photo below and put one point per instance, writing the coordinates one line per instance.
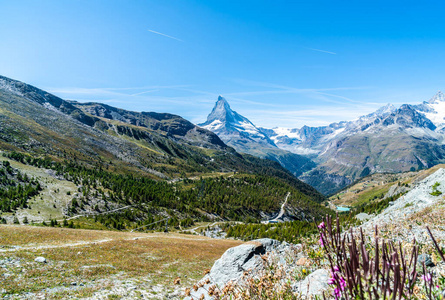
(238, 132)
(403, 140)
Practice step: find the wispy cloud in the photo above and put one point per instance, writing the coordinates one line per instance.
(265, 104)
(247, 82)
(324, 51)
(163, 34)
(144, 92)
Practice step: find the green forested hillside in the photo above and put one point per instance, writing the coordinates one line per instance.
(15, 188)
(239, 196)
(133, 168)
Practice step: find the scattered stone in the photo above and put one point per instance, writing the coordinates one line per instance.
(40, 259)
(425, 258)
(303, 261)
(363, 217)
(314, 284)
(177, 281)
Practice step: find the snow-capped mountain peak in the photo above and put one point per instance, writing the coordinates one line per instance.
(223, 113)
(385, 110)
(439, 97)
(226, 122)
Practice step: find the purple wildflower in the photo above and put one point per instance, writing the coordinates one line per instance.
(322, 225)
(427, 277)
(337, 293)
(342, 284)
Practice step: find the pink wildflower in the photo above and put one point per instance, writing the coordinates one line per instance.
(427, 277)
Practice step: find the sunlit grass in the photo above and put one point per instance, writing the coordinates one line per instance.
(156, 257)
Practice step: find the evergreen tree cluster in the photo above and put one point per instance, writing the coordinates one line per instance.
(15, 188)
(291, 232)
(238, 197)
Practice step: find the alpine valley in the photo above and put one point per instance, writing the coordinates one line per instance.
(329, 158)
(66, 159)
(68, 167)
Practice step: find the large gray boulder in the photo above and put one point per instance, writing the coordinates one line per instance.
(237, 260)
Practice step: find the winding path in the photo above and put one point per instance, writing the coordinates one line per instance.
(282, 211)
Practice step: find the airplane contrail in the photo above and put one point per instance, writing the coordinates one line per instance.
(172, 37)
(324, 51)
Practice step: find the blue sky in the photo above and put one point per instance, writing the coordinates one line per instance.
(279, 63)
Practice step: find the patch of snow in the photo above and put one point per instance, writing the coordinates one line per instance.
(438, 115)
(248, 127)
(7, 86)
(289, 132)
(215, 125)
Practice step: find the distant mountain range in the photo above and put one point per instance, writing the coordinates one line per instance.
(391, 139)
(190, 166)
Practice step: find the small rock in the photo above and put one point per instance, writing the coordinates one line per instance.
(303, 262)
(425, 258)
(363, 217)
(314, 284)
(73, 283)
(40, 259)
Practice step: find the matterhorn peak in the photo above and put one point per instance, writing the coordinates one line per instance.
(222, 112)
(439, 97)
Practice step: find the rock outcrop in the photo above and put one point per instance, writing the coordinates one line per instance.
(251, 260)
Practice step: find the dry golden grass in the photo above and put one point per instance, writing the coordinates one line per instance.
(157, 257)
(16, 235)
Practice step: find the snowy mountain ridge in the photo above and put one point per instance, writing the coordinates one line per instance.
(410, 137)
